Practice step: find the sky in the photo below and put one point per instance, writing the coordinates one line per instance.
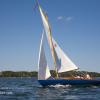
(75, 26)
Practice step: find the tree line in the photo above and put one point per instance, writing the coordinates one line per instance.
(35, 74)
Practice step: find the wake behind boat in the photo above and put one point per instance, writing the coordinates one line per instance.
(62, 63)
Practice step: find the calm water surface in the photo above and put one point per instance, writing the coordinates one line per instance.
(30, 89)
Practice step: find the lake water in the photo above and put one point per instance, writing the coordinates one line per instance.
(30, 89)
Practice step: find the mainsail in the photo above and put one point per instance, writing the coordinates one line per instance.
(63, 63)
(48, 33)
(43, 70)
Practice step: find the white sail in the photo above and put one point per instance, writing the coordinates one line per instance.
(45, 21)
(43, 70)
(49, 35)
(46, 25)
(63, 62)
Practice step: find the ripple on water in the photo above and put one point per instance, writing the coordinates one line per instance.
(30, 89)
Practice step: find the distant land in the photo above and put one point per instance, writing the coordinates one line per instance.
(35, 74)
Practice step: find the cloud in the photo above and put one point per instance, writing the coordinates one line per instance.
(68, 18)
(59, 17)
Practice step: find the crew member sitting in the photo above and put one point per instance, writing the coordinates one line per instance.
(88, 76)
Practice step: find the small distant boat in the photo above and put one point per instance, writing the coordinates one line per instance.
(62, 62)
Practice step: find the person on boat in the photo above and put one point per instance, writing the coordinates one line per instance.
(77, 77)
(88, 76)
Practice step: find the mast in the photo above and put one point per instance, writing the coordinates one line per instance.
(50, 39)
(53, 53)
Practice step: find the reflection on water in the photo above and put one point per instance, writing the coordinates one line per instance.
(30, 89)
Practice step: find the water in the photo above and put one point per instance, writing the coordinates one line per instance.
(30, 89)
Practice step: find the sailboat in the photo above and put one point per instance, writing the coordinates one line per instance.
(62, 63)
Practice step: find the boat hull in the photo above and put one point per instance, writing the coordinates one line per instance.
(68, 82)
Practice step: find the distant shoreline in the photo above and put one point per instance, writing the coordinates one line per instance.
(35, 73)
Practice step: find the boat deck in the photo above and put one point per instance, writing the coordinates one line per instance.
(75, 78)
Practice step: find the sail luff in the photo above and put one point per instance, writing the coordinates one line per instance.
(48, 31)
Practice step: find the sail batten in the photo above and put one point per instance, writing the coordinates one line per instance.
(43, 70)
